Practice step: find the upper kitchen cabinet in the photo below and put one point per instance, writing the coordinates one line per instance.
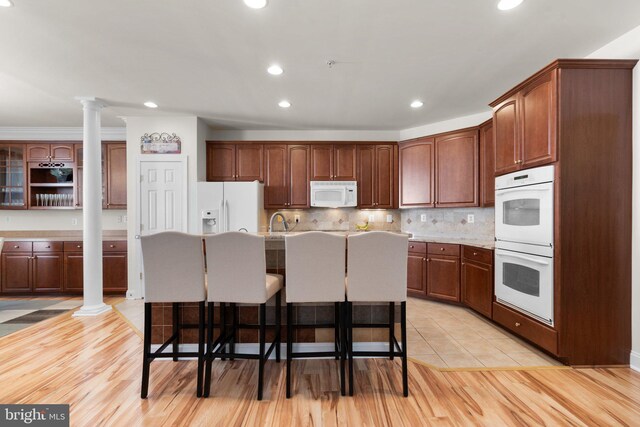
(48, 152)
(286, 176)
(234, 162)
(487, 164)
(335, 162)
(417, 163)
(376, 173)
(299, 195)
(12, 176)
(456, 169)
(116, 174)
(525, 121)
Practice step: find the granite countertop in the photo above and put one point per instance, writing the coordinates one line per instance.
(58, 235)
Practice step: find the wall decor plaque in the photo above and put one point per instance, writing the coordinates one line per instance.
(160, 143)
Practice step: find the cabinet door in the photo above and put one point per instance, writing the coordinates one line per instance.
(457, 169)
(443, 278)
(477, 286)
(384, 177)
(116, 176)
(221, 162)
(114, 272)
(344, 162)
(62, 152)
(16, 272)
(12, 176)
(48, 272)
(487, 165)
(417, 173)
(276, 188)
(366, 160)
(417, 275)
(249, 164)
(321, 162)
(538, 121)
(73, 272)
(38, 152)
(506, 138)
(298, 176)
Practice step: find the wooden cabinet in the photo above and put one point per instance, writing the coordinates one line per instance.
(114, 272)
(48, 272)
(525, 125)
(376, 176)
(47, 152)
(477, 279)
(73, 272)
(16, 271)
(456, 169)
(443, 272)
(286, 176)
(12, 176)
(487, 165)
(335, 162)
(299, 196)
(417, 164)
(116, 176)
(417, 270)
(234, 162)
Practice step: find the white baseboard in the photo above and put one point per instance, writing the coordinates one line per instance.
(635, 361)
(302, 347)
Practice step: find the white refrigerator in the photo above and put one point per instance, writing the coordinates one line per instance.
(231, 206)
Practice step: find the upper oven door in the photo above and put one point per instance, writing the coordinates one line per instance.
(525, 214)
(525, 282)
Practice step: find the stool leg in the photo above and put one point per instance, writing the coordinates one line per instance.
(200, 347)
(207, 375)
(263, 320)
(391, 331)
(403, 326)
(336, 332)
(343, 349)
(223, 328)
(176, 328)
(289, 345)
(278, 337)
(350, 344)
(234, 328)
(146, 351)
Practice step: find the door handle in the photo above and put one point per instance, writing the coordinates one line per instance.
(512, 190)
(525, 258)
(226, 215)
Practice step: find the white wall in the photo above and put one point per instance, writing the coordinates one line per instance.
(186, 128)
(628, 46)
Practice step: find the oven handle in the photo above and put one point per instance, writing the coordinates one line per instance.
(513, 190)
(524, 258)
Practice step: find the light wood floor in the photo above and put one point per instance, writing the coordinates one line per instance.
(94, 364)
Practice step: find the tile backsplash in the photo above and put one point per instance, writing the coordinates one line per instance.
(452, 223)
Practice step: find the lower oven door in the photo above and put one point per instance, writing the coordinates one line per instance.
(525, 283)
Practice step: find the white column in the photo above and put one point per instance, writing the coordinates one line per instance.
(92, 210)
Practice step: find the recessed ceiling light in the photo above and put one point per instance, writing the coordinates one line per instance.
(256, 4)
(417, 104)
(508, 4)
(275, 70)
(284, 104)
(6, 3)
(150, 104)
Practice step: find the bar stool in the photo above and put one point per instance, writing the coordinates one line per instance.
(377, 272)
(315, 263)
(174, 273)
(236, 273)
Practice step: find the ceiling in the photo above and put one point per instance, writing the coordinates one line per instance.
(209, 58)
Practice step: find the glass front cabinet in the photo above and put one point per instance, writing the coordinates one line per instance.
(12, 176)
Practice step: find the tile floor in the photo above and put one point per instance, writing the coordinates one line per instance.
(449, 336)
(18, 314)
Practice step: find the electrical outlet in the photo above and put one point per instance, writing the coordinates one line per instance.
(372, 218)
(423, 218)
(389, 219)
(297, 219)
(124, 219)
(471, 218)
(74, 221)
(119, 219)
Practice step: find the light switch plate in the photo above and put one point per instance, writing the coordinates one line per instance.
(372, 218)
(471, 218)
(423, 218)
(389, 219)
(74, 221)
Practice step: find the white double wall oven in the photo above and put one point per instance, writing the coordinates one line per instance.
(524, 226)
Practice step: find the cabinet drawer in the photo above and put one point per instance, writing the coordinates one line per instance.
(418, 247)
(17, 246)
(73, 246)
(526, 327)
(443, 249)
(47, 246)
(477, 254)
(114, 246)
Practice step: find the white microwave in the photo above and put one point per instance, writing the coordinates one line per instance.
(334, 194)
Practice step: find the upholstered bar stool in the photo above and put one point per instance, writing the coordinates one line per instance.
(315, 264)
(173, 273)
(236, 274)
(377, 272)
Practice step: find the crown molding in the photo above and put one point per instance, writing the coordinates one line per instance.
(59, 133)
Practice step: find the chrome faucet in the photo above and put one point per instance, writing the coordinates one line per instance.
(284, 222)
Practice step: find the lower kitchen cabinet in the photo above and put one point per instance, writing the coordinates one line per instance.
(477, 279)
(443, 280)
(417, 270)
(48, 272)
(73, 271)
(114, 272)
(16, 272)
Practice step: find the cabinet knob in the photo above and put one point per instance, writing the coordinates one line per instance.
(16, 246)
(424, 259)
(112, 246)
(428, 259)
(475, 254)
(47, 247)
(517, 324)
(78, 246)
(411, 246)
(442, 249)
